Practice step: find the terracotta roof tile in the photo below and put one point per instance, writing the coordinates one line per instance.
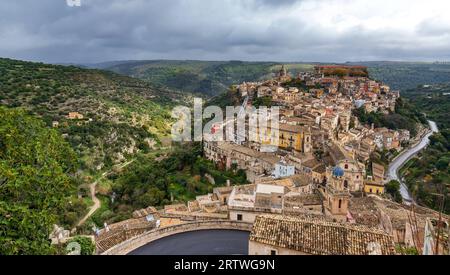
(318, 237)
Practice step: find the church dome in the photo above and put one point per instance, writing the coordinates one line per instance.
(338, 171)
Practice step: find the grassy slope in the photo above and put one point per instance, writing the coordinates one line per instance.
(430, 172)
(125, 112)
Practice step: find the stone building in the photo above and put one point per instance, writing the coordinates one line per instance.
(142, 221)
(302, 203)
(228, 155)
(354, 172)
(75, 115)
(283, 75)
(404, 223)
(336, 195)
(372, 186)
(287, 235)
(248, 201)
(223, 193)
(283, 170)
(292, 137)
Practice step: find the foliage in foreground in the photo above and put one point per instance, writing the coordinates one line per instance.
(177, 177)
(35, 182)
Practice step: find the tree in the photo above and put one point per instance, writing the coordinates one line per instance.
(87, 247)
(393, 189)
(35, 182)
(263, 101)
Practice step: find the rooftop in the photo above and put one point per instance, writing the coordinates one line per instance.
(367, 211)
(269, 189)
(318, 237)
(293, 199)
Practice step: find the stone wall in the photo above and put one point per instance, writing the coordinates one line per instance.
(150, 236)
(256, 248)
(249, 214)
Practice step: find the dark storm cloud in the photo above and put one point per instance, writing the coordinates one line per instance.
(285, 30)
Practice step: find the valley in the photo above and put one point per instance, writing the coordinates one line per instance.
(117, 123)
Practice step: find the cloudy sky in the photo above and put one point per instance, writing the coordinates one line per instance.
(275, 30)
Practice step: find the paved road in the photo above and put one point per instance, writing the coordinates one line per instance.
(202, 242)
(398, 163)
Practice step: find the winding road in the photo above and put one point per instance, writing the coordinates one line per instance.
(93, 190)
(403, 158)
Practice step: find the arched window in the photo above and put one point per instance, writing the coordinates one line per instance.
(346, 166)
(340, 204)
(345, 184)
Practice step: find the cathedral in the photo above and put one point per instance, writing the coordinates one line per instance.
(283, 75)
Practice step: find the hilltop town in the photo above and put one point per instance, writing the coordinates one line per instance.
(321, 175)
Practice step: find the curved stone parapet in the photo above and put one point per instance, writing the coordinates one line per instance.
(153, 235)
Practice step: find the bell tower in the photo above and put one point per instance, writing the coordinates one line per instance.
(337, 195)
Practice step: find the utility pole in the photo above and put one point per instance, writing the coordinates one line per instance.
(439, 223)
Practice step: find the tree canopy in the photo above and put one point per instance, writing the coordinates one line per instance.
(35, 168)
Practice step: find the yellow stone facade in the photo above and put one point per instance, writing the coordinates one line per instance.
(373, 188)
(297, 138)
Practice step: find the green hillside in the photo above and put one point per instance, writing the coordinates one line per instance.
(408, 75)
(121, 115)
(212, 78)
(48, 160)
(429, 173)
(209, 78)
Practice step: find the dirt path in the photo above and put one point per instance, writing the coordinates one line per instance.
(93, 189)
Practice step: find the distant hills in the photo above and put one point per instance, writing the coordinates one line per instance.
(209, 78)
(212, 78)
(116, 116)
(408, 75)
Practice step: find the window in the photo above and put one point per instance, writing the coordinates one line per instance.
(273, 252)
(340, 204)
(239, 217)
(346, 166)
